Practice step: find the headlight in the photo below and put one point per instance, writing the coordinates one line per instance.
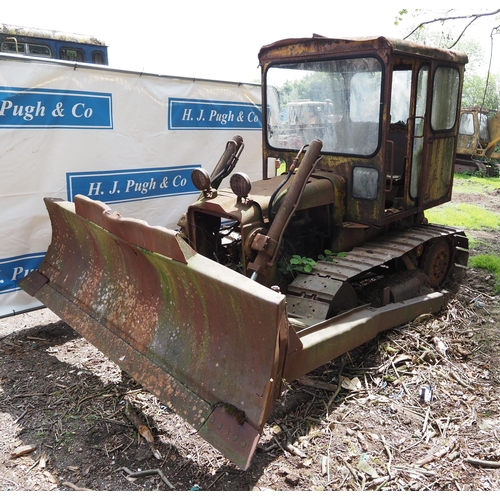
(240, 184)
(201, 179)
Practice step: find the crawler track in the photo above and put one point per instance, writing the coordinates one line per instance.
(312, 295)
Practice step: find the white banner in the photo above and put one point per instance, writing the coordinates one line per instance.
(128, 139)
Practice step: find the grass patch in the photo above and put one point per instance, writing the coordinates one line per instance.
(490, 263)
(474, 218)
(464, 215)
(463, 183)
(474, 243)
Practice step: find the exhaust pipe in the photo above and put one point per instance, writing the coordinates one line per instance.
(267, 245)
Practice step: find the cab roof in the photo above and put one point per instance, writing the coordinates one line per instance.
(317, 46)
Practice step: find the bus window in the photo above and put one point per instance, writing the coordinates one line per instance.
(39, 50)
(98, 57)
(16, 48)
(71, 54)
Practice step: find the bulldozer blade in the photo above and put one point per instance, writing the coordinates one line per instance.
(202, 338)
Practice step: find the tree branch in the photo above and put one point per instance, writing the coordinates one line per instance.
(473, 17)
(495, 29)
(461, 34)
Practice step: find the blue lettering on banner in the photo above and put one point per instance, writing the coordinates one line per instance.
(195, 114)
(114, 186)
(46, 108)
(13, 269)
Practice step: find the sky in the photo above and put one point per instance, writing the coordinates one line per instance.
(216, 40)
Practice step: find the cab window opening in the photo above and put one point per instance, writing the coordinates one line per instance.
(338, 102)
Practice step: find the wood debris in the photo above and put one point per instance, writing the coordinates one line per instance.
(143, 429)
(149, 472)
(398, 424)
(22, 450)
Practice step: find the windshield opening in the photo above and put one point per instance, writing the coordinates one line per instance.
(338, 102)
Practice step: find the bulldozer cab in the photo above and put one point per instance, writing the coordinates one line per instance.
(386, 112)
(473, 135)
(479, 133)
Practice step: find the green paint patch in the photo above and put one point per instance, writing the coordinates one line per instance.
(464, 215)
(490, 263)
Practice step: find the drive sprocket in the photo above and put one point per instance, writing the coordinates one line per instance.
(436, 261)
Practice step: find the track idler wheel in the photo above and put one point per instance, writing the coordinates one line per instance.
(436, 261)
(344, 300)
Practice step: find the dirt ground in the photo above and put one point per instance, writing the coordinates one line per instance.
(415, 409)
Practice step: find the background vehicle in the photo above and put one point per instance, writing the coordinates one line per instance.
(478, 136)
(215, 317)
(317, 117)
(52, 44)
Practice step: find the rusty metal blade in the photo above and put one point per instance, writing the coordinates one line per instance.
(201, 337)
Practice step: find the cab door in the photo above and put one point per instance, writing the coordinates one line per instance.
(405, 139)
(441, 130)
(422, 133)
(417, 138)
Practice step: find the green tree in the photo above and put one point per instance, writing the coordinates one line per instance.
(473, 93)
(315, 87)
(454, 30)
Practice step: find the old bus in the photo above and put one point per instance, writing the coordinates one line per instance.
(52, 44)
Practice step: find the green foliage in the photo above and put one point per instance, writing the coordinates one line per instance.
(490, 263)
(298, 264)
(434, 30)
(490, 168)
(407, 15)
(473, 93)
(314, 87)
(328, 255)
(400, 15)
(467, 183)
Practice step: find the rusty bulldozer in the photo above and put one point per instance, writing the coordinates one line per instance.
(215, 316)
(478, 140)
